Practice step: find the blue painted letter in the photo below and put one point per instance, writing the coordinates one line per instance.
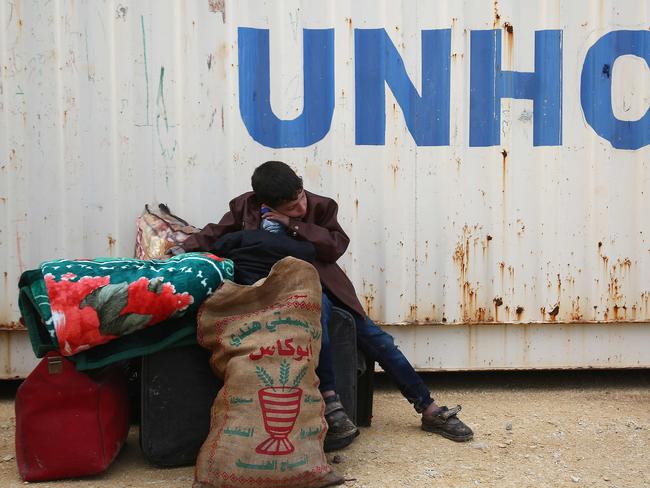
(489, 84)
(255, 93)
(377, 63)
(596, 88)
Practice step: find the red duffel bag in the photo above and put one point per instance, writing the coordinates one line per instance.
(69, 423)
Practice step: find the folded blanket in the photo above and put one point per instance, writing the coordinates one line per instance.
(167, 334)
(73, 305)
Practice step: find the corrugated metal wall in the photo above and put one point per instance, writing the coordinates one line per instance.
(107, 105)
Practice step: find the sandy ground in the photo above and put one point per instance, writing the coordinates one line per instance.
(533, 429)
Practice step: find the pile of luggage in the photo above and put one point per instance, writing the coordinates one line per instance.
(118, 338)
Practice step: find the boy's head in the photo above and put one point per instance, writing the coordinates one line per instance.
(275, 184)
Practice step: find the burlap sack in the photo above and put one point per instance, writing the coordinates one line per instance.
(267, 426)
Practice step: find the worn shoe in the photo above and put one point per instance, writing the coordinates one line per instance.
(446, 423)
(341, 431)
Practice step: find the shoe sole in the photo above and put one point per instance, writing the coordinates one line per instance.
(447, 435)
(338, 444)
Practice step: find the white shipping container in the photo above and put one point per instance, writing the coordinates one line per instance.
(490, 158)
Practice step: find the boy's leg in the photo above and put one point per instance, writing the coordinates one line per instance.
(341, 430)
(380, 346)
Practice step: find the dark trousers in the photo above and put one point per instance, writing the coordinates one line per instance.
(378, 346)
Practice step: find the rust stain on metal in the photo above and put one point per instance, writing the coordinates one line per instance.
(519, 312)
(470, 311)
(218, 6)
(12, 326)
(497, 17)
(522, 228)
(603, 256)
(413, 313)
(111, 244)
(553, 313)
(485, 245)
(576, 314)
(482, 315)
(461, 255)
(616, 295)
(614, 289)
(645, 298)
(369, 298)
(509, 44)
(395, 168)
(620, 313)
(498, 301)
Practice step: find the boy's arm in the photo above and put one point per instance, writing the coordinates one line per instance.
(325, 234)
(202, 241)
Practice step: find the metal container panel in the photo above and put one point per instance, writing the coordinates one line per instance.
(108, 105)
(459, 347)
(16, 357)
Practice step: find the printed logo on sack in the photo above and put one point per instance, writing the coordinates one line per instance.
(427, 111)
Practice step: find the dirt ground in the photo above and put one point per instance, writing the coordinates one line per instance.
(533, 429)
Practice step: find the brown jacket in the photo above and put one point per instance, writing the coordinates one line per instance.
(319, 226)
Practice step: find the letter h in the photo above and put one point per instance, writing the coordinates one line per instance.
(489, 84)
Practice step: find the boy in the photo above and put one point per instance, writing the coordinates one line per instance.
(313, 218)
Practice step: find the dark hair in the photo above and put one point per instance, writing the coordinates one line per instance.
(275, 183)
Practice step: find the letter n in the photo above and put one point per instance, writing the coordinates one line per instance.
(377, 64)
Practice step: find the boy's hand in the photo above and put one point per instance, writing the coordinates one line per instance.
(277, 216)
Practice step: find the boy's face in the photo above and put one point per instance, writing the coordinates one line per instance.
(296, 208)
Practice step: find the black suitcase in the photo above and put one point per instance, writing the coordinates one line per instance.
(365, 389)
(178, 388)
(177, 391)
(352, 370)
